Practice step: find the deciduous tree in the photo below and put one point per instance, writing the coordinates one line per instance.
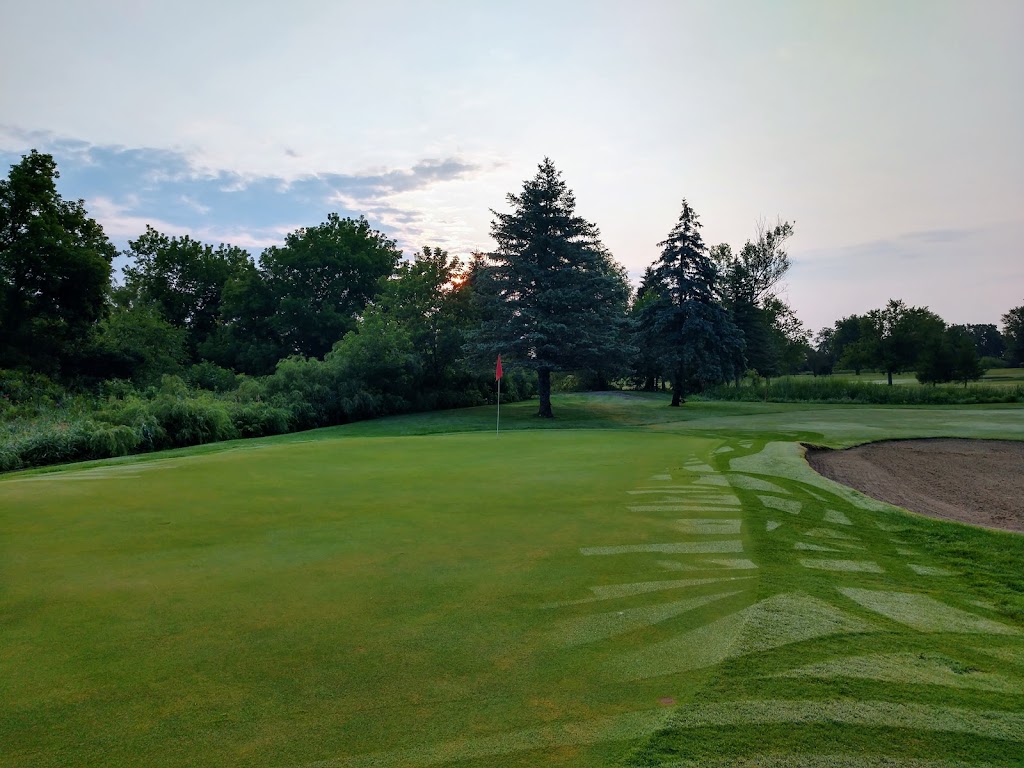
(1013, 335)
(55, 265)
(184, 280)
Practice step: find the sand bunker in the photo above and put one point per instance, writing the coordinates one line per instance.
(974, 481)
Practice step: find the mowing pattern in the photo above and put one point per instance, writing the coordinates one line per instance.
(731, 609)
(864, 627)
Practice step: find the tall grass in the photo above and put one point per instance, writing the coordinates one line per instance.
(836, 390)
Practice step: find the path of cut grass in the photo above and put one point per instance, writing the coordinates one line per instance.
(678, 590)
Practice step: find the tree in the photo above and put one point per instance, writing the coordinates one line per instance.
(321, 279)
(550, 295)
(749, 282)
(966, 361)
(646, 368)
(847, 332)
(136, 342)
(1013, 335)
(245, 339)
(949, 356)
(184, 280)
(987, 339)
(55, 265)
(430, 298)
(692, 335)
(893, 338)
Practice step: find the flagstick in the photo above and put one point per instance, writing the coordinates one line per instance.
(497, 426)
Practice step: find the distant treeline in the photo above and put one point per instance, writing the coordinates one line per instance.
(203, 343)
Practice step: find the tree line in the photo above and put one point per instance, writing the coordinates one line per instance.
(334, 324)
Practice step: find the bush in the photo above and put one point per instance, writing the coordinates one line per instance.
(826, 390)
(212, 377)
(192, 421)
(259, 419)
(117, 440)
(988, 362)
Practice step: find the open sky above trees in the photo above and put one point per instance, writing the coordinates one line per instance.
(889, 134)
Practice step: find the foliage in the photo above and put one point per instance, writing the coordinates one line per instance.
(321, 279)
(55, 266)
(1013, 335)
(988, 342)
(551, 296)
(774, 340)
(949, 356)
(838, 390)
(183, 279)
(692, 337)
(893, 338)
(430, 298)
(135, 342)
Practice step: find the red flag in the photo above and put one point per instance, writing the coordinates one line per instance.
(497, 371)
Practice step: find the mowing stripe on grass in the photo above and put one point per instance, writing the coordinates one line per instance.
(784, 505)
(631, 725)
(779, 620)
(738, 564)
(748, 483)
(925, 614)
(710, 564)
(863, 566)
(721, 505)
(670, 548)
(913, 668)
(708, 526)
(601, 626)
(993, 724)
(712, 480)
(930, 570)
(804, 760)
(610, 591)
(614, 591)
(837, 517)
(828, 533)
(814, 547)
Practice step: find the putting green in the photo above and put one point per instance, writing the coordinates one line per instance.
(580, 597)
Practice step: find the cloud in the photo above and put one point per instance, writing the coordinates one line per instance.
(966, 275)
(126, 188)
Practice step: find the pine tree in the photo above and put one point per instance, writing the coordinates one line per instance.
(551, 296)
(695, 341)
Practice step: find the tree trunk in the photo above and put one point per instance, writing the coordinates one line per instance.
(677, 391)
(890, 377)
(544, 391)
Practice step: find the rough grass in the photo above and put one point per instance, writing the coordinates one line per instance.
(363, 596)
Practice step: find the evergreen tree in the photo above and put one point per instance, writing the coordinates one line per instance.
(695, 340)
(551, 297)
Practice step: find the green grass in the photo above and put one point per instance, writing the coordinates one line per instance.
(628, 585)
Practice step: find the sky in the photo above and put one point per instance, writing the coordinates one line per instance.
(889, 132)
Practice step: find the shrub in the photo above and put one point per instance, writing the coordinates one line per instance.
(212, 377)
(826, 390)
(192, 421)
(258, 419)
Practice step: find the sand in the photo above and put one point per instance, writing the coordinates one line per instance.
(980, 482)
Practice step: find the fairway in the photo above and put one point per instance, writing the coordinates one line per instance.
(655, 587)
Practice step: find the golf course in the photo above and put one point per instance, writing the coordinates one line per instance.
(626, 585)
